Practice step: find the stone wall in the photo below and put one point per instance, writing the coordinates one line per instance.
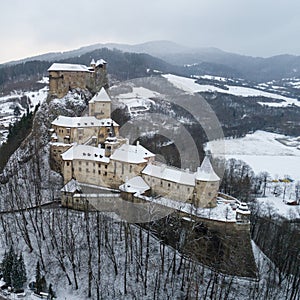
(169, 189)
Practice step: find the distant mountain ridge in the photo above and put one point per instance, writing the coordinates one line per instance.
(188, 61)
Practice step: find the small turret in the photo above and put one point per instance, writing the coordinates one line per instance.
(93, 64)
(111, 143)
(243, 214)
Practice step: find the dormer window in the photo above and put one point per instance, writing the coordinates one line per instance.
(89, 154)
(92, 123)
(85, 123)
(84, 154)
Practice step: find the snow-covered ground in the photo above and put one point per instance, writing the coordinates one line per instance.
(138, 101)
(266, 151)
(189, 85)
(263, 151)
(271, 205)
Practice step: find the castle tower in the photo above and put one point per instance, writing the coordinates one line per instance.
(93, 64)
(207, 185)
(111, 142)
(100, 105)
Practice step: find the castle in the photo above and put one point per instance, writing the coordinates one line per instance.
(63, 77)
(89, 150)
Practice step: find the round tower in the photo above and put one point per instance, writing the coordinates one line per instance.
(206, 185)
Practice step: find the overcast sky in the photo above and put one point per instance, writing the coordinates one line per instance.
(252, 27)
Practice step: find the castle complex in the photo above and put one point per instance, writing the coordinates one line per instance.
(89, 150)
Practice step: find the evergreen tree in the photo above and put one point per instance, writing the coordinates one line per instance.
(38, 278)
(43, 284)
(7, 265)
(51, 292)
(15, 275)
(22, 269)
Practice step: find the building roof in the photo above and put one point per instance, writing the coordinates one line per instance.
(132, 154)
(243, 209)
(135, 185)
(164, 172)
(64, 121)
(206, 172)
(68, 68)
(101, 96)
(71, 186)
(85, 152)
(100, 62)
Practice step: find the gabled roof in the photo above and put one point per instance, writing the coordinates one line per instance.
(101, 96)
(132, 154)
(164, 172)
(71, 186)
(206, 172)
(85, 152)
(82, 122)
(68, 67)
(135, 185)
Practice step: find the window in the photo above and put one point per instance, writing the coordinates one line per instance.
(99, 172)
(169, 184)
(105, 166)
(87, 163)
(79, 169)
(130, 168)
(68, 163)
(105, 173)
(87, 170)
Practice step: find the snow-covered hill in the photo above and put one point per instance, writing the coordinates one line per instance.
(14, 105)
(216, 84)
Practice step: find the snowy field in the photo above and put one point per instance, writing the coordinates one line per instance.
(189, 85)
(263, 152)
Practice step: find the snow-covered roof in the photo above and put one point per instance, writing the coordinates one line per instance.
(132, 154)
(100, 62)
(68, 67)
(170, 173)
(82, 122)
(135, 185)
(85, 152)
(71, 187)
(101, 96)
(243, 209)
(206, 172)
